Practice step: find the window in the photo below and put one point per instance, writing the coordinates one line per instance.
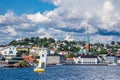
(4, 52)
(42, 55)
(11, 52)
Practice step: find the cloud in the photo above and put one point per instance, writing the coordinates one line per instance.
(38, 18)
(109, 18)
(101, 17)
(103, 39)
(9, 30)
(68, 38)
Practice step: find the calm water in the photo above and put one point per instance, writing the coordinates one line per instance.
(63, 73)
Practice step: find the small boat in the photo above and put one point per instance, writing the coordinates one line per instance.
(42, 61)
(111, 64)
(59, 64)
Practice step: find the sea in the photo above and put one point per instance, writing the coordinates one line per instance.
(63, 72)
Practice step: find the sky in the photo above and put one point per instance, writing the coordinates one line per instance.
(60, 19)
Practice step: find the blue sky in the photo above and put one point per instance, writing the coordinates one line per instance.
(25, 6)
(60, 19)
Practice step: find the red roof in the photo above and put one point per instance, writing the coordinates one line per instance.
(69, 58)
(28, 58)
(0, 52)
(117, 54)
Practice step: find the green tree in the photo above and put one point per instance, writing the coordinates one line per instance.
(13, 43)
(26, 39)
(112, 42)
(70, 56)
(103, 51)
(51, 40)
(32, 39)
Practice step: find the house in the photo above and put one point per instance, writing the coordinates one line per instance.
(118, 58)
(110, 59)
(9, 55)
(0, 55)
(34, 51)
(64, 52)
(8, 51)
(28, 58)
(89, 59)
(52, 60)
(85, 57)
(52, 51)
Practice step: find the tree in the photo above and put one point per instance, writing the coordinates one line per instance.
(32, 39)
(70, 56)
(13, 43)
(26, 39)
(118, 42)
(51, 40)
(112, 42)
(103, 51)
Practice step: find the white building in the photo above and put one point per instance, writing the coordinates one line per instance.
(52, 51)
(89, 59)
(64, 52)
(111, 59)
(8, 51)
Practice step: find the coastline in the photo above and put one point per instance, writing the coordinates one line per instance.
(87, 64)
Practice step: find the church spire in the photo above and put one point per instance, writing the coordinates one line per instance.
(87, 45)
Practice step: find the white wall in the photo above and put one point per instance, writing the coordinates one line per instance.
(89, 60)
(53, 59)
(11, 50)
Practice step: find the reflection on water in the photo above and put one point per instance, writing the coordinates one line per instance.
(63, 73)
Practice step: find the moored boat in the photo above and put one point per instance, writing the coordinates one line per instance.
(111, 64)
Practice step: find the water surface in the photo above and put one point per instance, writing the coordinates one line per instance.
(63, 73)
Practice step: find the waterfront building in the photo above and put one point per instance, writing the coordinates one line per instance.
(9, 54)
(110, 59)
(53, 60)
(8, 51)
(84, 56)
(118, 58)
(89, 59)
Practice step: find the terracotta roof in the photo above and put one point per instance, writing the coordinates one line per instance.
(69, 58)
(28, 58)
(0, 52)
(117, 54)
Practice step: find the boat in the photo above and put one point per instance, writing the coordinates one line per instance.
(42, 61)
(111, 64)
(39, 69)
(59, 64)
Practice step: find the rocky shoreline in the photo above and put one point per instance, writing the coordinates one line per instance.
(20, 64)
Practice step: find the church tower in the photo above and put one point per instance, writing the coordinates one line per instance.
(87, 44)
